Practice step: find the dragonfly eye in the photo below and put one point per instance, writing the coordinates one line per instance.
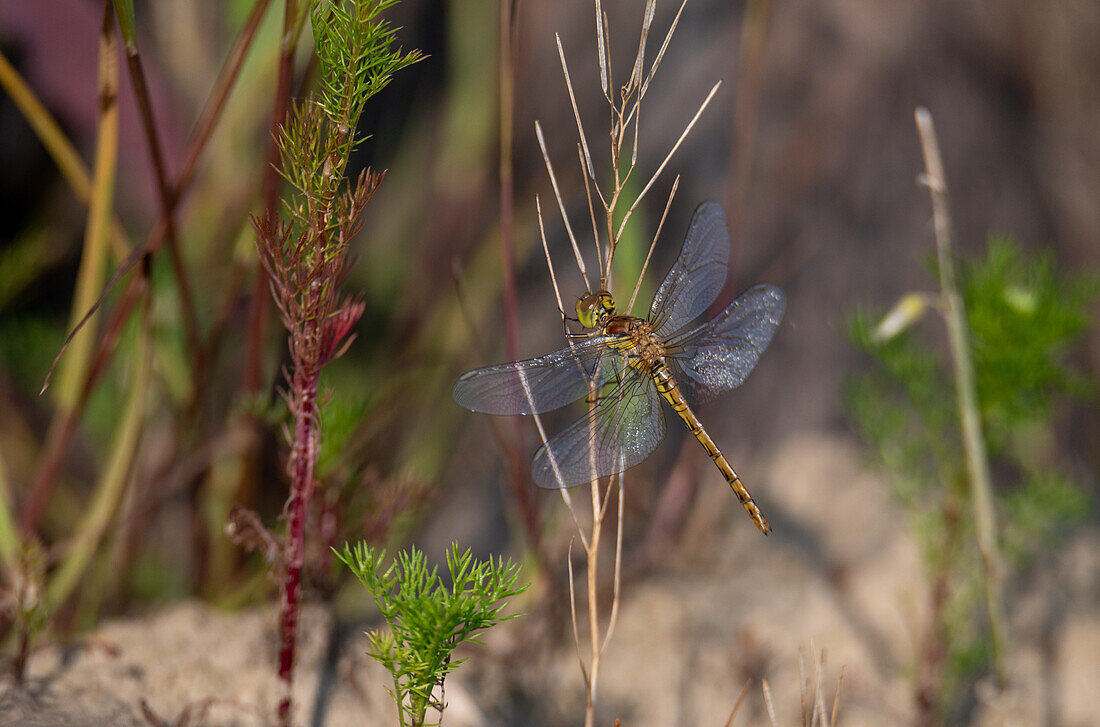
(594, 307)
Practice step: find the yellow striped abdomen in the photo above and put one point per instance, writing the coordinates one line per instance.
(667, 387)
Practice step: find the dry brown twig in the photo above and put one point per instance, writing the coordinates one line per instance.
(977, 464)
(603, 205)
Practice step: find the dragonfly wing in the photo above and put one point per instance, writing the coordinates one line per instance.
(698, 274)
(718, 355)
(535, 385)
(619, 433)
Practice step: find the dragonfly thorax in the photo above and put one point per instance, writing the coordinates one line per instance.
(634, 337)
(594, 309)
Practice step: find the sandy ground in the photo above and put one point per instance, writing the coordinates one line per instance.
(842, 577)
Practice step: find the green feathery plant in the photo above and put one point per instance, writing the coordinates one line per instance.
(305, 253)
(1024, 318)
(428, 619)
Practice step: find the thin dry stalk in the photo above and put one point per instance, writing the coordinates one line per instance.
(617, 582)
(667, 159)
(769, 704)
(836, 698)
(737, 704)
(977, 465)
(576, 112)
(561, 205)
(653, 243)
(818, 716)
(625, 113)
(803, 686)
(594, 641)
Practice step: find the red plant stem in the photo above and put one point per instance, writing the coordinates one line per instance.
(167, 206)
(302, 458)
(521, 485)
(304, 387)
(58, 444)
(212, 112)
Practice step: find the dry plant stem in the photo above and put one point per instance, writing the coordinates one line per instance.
(593, 555)
(566, 498)
(981, 489)
(625, 113)
(597, 644)
(737, 704)
(653, 244)
(561, 205)
(668, 157)
(836, 698)
(819, 693)
(769, 704)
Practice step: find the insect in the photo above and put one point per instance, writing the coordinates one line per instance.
(627, 365)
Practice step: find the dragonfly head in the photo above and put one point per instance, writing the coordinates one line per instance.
(594, 308)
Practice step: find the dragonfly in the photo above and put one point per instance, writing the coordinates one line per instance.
(625, 366)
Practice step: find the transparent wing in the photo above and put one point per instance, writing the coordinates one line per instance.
(718, 355)
(698, 274)
(619, 433)
(535, 385)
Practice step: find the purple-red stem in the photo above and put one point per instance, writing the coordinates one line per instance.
(305, 387)
(304, 453)
(167, 210)
(521, 486)
(58, 446)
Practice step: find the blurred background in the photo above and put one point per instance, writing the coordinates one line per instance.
(809, 144)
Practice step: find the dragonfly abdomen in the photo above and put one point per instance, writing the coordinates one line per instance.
(667, 388)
